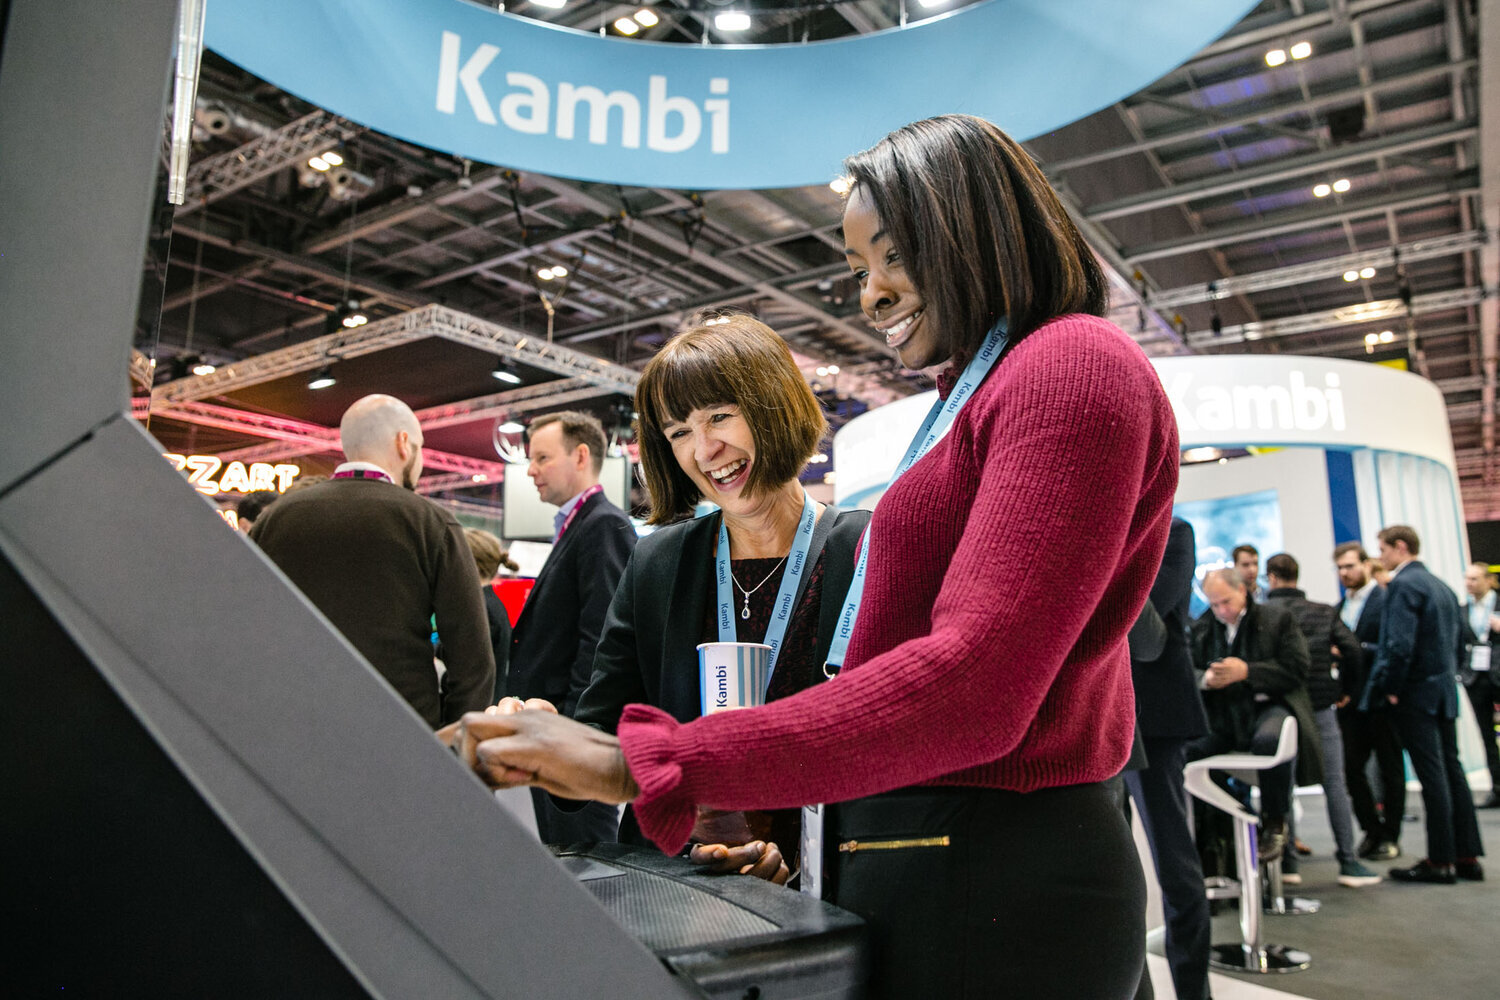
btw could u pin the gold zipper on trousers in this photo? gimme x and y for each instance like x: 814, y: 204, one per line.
x: 850, y: 846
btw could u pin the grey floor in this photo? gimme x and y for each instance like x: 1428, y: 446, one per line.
x: 1386, y: 942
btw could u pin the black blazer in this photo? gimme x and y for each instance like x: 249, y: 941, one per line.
x: 1367, y: 627
x: 552, y: 645
x: 1166, y: 690
x: 1420, y: 637
x: 1492, y: 639
x: 649, y: 651
x: 1268, y: 641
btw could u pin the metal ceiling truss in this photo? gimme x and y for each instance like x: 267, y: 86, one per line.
x: 1387, y: 311
x: 213, y: 177
x: 1318, y: 270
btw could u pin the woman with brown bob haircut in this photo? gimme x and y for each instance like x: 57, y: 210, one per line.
x: 714, y: 397
x: 737, y: 360
x: 971, y: 748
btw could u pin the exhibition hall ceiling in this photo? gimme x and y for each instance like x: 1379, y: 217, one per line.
x: 1330, y: 204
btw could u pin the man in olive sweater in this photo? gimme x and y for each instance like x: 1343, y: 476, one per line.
x: 382, y: 563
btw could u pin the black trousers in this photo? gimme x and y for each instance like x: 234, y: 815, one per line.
x: 589, y: 823
x: 1162, y: 803
x: 1366, y: 733
x: 1452, y: 828
x: 1482, y: 691
x: 1275, y: 782
x: 1035, y: 895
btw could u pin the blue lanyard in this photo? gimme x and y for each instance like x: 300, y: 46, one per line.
x: 939, y: 419
x: 781, y: 614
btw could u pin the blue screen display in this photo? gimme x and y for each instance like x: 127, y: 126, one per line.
x: 1221, y: 523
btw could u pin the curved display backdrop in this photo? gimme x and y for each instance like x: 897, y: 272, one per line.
x: 520, y: 93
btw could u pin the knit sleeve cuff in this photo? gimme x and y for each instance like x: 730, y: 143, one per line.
x: 664, y: 809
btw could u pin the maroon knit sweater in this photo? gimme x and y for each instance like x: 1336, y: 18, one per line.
x: 1006, y: 568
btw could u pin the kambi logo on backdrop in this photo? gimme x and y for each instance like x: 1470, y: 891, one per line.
x: 673, y: 123
x: 1293, y: 406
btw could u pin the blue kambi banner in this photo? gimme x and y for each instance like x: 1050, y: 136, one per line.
x: 513, y: 91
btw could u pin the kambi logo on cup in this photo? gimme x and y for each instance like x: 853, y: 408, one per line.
x: 732, y: 675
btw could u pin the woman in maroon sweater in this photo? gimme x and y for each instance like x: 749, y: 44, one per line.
x: 973, y: 741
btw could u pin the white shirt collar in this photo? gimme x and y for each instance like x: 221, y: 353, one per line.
x: 364, y: 467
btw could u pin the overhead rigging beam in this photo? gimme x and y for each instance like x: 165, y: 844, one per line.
x: 212, y: 178
x: 1460, y: 184
x: 1222, y: 121
x: 1384, y: 310
x: 1284, y: 169
x: 1489, y: 210
x: 418, y: 324
x: 1317, y: 270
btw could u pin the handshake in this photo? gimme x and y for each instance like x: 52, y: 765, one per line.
x: 519, y: 742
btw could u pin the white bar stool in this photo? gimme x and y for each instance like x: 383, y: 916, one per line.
x: 1251, y: 953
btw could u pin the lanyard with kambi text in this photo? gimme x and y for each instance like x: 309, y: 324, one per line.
x: 781, y: 612
x: 583, y: 498
x: 939, y: 419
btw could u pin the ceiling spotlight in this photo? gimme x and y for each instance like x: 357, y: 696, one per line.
x: 1341, y: 185
x: 353, y: 316
x: 822, y: 370
x: 1386, y: 336
x: 1322, y: 191
x: 732, y: 20
x: 332, y: 159
x: 1367, y: 273
x: 546, y: 274
x: 1302, y: 50
x: 318, y: 163
x: 1275, y: 57
x: 841, y: 185
x: 626, y: 26
x: 323, y: 379
x: 480, y: 477
x: 1372, y: 338
x: 510, y: 427
x: 1351, y: 275
x: 505, y: 372
x: 646, y: 18
x: 558, y: 271
x: 833, y: 369
x: 929, y: 4
x: 204, y: 368
x: 550, y: 4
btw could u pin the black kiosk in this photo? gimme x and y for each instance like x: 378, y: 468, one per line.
x: 207, y: 792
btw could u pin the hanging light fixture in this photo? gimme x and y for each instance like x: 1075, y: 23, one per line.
x: 323, y: 379
x: 505, y: 372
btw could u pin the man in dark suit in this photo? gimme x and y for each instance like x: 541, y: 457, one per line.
x: 1373, y: 731
x: 1414, y: 672
x: 1253, y: 662
x: 1170, y: 713
x: 1477, y: 669
x: 552, y: 646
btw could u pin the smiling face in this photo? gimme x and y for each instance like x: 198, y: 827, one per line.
x: 714, y: 446
x: 886, y: 292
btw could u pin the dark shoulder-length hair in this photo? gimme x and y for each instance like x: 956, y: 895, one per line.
x: 979, y: 230
x: 735, y: 359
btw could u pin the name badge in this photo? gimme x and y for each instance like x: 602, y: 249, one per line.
x: 1479, y: 659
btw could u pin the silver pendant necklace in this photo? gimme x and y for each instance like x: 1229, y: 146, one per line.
x: 745, y: 611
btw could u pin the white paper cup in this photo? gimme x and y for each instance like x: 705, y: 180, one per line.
x: 732, y: 675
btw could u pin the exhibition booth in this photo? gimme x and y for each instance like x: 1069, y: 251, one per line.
x: 260, y: 843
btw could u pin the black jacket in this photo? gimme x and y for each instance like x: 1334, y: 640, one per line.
x: 1491, y: 639
x: 1270, y: 642
x: 649, y: 651
x: 1166, y: 691
x: 1420, y: 638
x: 552, y: 646
x: 1323, y: 630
